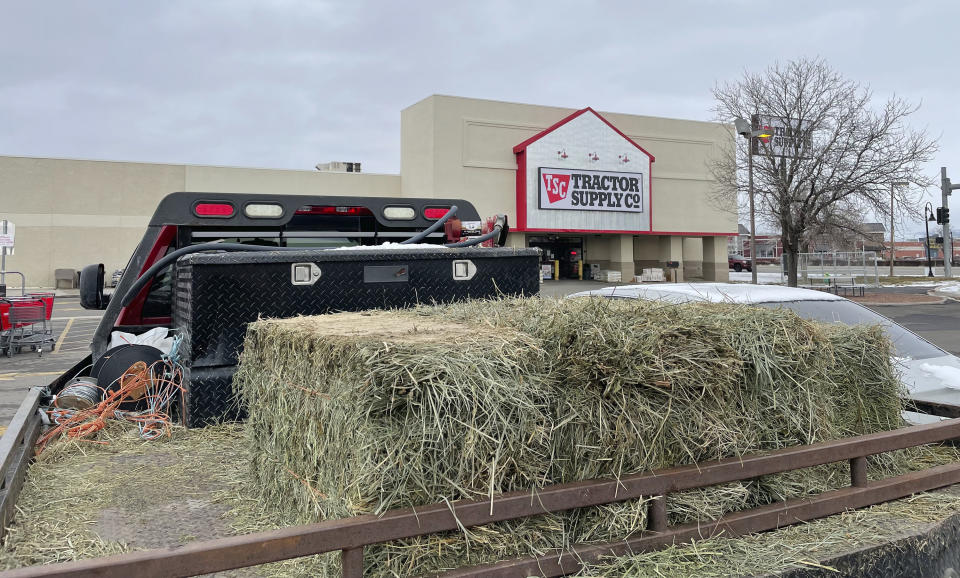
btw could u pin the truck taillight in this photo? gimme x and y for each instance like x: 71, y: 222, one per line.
x: 434, y: 213
x: 213, y: 210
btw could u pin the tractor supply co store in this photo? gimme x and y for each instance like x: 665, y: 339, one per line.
x: 619, y: 192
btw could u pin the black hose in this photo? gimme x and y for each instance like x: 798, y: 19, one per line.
x: 423, y: 234
x: 150, y: 273
x: 476, y: 240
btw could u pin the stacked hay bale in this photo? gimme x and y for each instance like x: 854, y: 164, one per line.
x: 359, y: 413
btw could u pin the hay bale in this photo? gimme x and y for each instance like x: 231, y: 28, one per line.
x: 360, y: 413
x: 365, y: 412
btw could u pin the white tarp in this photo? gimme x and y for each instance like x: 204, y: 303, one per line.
x: 156, y: 337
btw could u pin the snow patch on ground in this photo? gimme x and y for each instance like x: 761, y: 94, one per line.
x: 762, y: 278
x: 949, y: 287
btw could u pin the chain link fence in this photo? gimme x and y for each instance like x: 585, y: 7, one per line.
x: 855, y: 268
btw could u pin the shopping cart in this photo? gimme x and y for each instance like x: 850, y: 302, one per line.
x: 25, y: 322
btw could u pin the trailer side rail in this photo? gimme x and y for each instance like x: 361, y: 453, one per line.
x: 351, y: 535
x: 16, y: 449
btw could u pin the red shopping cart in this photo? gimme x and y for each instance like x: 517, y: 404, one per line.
x: 25, y: 322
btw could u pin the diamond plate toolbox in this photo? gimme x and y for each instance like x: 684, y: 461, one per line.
x: 217, y: 294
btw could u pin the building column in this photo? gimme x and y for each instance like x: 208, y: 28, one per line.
x: 692, y: 258
x: 715, y: 264
x: 671, y: 249
x: 646, y: 249
x: 621, y: 256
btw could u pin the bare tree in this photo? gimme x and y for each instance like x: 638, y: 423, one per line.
x: 831, y: 156
x: 839, y: 227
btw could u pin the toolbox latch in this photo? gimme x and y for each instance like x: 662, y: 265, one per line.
x: 464, y: 270
x: 304, y: 273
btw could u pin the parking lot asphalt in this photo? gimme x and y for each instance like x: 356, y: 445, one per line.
x: 939, y: 324
x: 73, y: 328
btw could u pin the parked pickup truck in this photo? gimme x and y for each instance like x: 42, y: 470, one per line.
x: 278, y: 256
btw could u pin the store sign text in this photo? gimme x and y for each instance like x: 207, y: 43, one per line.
x: 585, y: 190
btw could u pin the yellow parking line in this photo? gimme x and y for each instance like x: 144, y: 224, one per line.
x: 73, y: 309
x: 63, y: 335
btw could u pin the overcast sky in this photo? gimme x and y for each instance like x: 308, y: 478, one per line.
x: 287, y: 84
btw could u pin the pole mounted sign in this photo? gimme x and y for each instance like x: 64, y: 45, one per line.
x: 6, y: 248
x: 591, y: 190
x: 6, y: 234
x: 933, y: 242
x: 783, y: 137
x: 6, y: 237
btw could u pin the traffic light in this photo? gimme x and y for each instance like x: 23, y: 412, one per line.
x: 943, y: 215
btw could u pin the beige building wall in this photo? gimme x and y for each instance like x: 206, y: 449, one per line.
x: 463, y: 147
x: 71, y: 213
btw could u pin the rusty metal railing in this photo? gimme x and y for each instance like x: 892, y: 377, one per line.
x: 16, y: 449
x: 351, y: 535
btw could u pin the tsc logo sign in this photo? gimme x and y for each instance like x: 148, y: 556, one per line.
x: 590, y: 190
x: 556, y: 186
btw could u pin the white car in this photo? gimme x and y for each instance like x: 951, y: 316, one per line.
x: 930, y: 374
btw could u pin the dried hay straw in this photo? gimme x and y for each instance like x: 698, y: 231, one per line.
x: 208, y: 465
x: 83, y: 500
x: 363, y: 412
x: 902, y: 526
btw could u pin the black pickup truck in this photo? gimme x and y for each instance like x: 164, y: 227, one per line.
x: 209, y: 263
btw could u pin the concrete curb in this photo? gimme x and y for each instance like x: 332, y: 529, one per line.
x: 876, y: 304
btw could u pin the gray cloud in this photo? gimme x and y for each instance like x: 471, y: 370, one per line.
x: 289, y: 83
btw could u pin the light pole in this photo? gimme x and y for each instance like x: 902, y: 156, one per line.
x: 927, y: 217
x: 893, y: 247
x: 745, y: 129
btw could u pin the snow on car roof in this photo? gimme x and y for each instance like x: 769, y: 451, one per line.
x: 713, y: 292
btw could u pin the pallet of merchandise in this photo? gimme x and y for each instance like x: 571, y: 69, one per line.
x: 654, y: 275
x: 608, y: 276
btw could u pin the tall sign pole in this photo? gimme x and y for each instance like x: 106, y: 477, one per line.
x: 946, y: 189
x: 753, y: 223
x: 893, y: 246
x: 750, y: 131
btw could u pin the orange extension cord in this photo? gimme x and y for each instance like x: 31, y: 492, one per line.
x: 158, y: 384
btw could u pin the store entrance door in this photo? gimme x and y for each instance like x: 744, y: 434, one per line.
x: 563, y: 253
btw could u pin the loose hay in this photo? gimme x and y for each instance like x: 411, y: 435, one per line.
x: 361, y: 413
x: 804, y: 546
x: 208, y: 464
x: 83, y: 500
